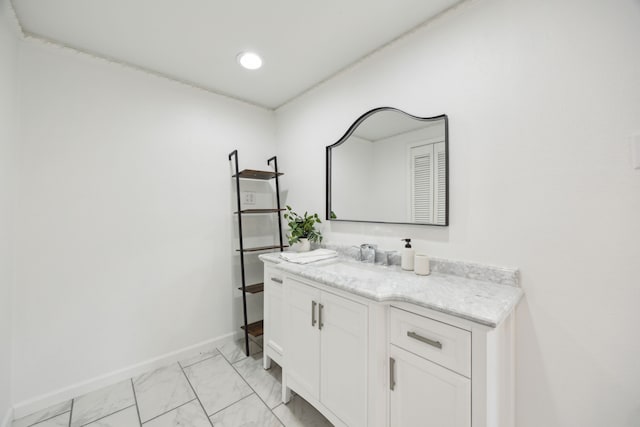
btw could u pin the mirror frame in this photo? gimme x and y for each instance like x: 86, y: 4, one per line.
x: 350, y: 131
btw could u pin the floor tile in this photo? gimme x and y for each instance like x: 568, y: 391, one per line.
x: 188, y: 415
x: 234, y: 351
x: 250, y: 411
x: 100, y: 403
x: 59, y: 421
x: 267, y: 384
x: 42, y: 415
x: 161, y: 390
x: 217, y: 384
x: 298, y: 413
x: 125, y: 418
x: 205, y: 353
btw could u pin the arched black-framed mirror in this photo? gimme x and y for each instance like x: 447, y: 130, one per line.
x: 390, y: 167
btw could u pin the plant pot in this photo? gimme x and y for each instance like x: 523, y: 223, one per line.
x: 302, y: 245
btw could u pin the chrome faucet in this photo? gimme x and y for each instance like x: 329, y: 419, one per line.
x: 389, y: 256
x: 368, y: 253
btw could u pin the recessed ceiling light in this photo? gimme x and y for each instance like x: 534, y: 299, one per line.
x: 250, y: 60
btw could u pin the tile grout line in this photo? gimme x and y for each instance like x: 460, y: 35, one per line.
x: 135, y: 399
x: 277, y: 417
x: 195, y: 393
x: 170, y: 410
x: 242, y: 352
x: 255, y: 392
x: 225, y: 357
x: 73, y: 401
x: 231, y: 404
x: 108, y: 415
x: 199, y: 361
x: 265, y: 403
x: 41, y: 421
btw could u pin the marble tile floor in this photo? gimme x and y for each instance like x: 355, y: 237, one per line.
x: 219, y: 387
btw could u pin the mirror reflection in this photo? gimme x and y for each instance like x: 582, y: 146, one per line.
x: 390, y: 167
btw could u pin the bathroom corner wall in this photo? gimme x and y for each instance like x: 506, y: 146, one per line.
x: 542, y: 99
x: 126, y: 249
x: 9, y: 39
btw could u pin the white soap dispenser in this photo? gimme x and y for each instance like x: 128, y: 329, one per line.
x: 407, y: 255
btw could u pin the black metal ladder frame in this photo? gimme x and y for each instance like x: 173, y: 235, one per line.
x: 234, y: 155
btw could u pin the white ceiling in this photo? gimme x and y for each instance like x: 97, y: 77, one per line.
x: 302, y: 42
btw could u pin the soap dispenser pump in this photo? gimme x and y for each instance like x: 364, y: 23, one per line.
x: 407, y: 255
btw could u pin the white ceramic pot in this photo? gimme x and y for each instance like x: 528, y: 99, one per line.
x: 302, y: 245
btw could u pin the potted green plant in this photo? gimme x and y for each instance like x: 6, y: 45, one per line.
x: 302, y: 229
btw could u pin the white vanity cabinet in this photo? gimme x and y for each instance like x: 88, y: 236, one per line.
x: 363, y: 362
x: 429, y: 372
x: 326, y: 360
x: 445, y: 371
x: 273, y: 300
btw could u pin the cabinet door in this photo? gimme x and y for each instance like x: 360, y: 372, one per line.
x: 302, y: 337
x: 426, y: 394
x: 343, y: 360
x: 273, y: 338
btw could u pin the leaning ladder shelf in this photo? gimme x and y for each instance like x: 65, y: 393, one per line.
x: 254, y: 329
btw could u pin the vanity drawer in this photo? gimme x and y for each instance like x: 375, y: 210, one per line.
x: 273, y: 277
x: 443, y: 344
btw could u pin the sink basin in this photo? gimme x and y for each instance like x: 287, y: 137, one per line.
x: 356, y: 270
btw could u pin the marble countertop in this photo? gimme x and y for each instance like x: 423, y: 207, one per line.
x: 476, y: 300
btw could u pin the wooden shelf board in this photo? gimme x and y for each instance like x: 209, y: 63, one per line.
x: 262, y: 248
x: 254, y: 289
x: 256, y: 174
x: 260, y: 211
x: 255, y: 329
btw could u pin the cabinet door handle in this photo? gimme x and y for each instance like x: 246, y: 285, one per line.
x: 320, y: 324
x: 313, y: 313
x: 392, y: 374
x: 275, y: 279
x: 436, y: 344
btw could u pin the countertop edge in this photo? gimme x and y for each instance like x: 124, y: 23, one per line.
x: 492, y: 323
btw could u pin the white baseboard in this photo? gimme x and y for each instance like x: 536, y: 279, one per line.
x: 38, y: 403
x: 8, y: 418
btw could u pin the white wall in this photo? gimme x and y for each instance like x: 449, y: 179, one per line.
x: 542, y: 99
x: 8, y: 81
x: 351, y: 186
x: 125, y: 216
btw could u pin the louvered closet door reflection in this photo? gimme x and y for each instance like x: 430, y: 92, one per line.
x: 422, y: 183
x: 440, y: 184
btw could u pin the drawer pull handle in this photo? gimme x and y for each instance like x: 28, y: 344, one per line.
x: 313, y: 313
x: 436, y: 344
x: 392, y: 375
x: 320, y: 324
x: 275, y: 279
